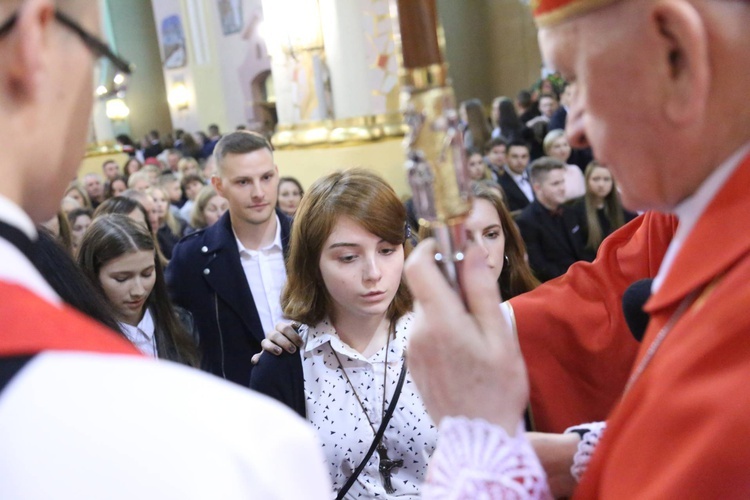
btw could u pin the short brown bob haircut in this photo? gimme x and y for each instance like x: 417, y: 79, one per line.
x: 367, y: 199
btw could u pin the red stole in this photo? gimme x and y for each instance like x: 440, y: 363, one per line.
x: 29, y: 324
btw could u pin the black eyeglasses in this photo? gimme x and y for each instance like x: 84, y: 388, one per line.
x: 98, y: 47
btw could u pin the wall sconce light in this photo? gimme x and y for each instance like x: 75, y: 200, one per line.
x: 114, y: 86
x: 179, y: 96
x: 117, y: 110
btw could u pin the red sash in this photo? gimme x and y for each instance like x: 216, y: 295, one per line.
x: 29, y: 325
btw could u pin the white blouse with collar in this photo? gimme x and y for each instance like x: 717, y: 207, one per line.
x: 142, y: 336
x: 340, y: 421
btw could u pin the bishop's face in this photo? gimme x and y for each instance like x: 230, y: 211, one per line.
x: 609, y: 106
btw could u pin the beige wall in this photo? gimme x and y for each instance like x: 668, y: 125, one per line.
x: 491, y: 47
x: 516, y: 61
x: 93, y: 163
x: 385, y: 157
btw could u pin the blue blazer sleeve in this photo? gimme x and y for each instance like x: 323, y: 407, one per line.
x: 281, y: 377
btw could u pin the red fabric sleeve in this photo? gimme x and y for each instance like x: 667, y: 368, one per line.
x: 577, y: 346
x: 682, y: 430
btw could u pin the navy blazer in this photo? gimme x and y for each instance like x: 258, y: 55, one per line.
x: 552, y: 245
x: 205, y: 277
x: 281, y: 377
x: 515, y: 199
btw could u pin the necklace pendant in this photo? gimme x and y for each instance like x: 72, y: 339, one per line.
x: 386, y: 467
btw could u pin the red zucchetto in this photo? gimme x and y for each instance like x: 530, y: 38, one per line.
x: 550, y: 12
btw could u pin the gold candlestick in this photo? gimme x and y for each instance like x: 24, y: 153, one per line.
x: 436, y: 165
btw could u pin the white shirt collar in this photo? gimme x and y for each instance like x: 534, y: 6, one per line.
x: 145, y: 326
x: 12, y: 214
x: 324, y: 332
x: 142, y: 336
x: 692, y: 208
x: 516, y: 177
x: 275, y: 244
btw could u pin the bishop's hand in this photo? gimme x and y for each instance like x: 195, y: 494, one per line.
x: 464, y: 358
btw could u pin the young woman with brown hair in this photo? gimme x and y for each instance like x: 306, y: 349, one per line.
x: 345, y: 291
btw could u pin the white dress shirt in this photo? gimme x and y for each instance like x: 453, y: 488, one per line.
x: 143, y: 336
x: 187, y: 210
x: 266, y: 274
x: 342, y: 425
x: 522, y: 180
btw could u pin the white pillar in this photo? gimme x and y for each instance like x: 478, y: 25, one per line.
x: 361, y: 55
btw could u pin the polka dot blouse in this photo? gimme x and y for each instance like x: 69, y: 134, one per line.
x: 334, y: 411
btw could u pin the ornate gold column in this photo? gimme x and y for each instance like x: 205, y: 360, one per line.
x: 436, y: 166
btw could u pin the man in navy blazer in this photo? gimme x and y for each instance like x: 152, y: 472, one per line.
x: 551, y: 230
x: 515, y: 182
x: 230, y: 275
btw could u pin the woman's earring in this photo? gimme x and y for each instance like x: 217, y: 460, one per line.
x: 507, y: 261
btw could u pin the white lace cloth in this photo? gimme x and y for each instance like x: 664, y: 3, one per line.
x: 477, y: 460
x: 586, y: 447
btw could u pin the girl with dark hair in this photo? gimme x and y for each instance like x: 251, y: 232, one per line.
x: 290, y: 194
x: 79, y: 220
x: 477, y: 132
x: 509, y: 126
x: 601, y: 207
x: 117, y: 186
x: 491, y: 226
x: 130, y: 206
x: 124, y: 206
x: 120, y: 258
x: 477, y: 168
x: 131, y: 166
x: 346, y: 293
x: 67, y: 279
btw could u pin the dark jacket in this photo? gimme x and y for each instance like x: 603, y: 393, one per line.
x: 553, y: 243
x: 205, y: 277
x: 282, y: 378
x: 153, y: 150
x: 166, y: 349
x: 514, y: 197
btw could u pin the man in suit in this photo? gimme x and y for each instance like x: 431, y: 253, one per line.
x: 551, y: 231
x: 79, y: 406
x: 213, y: 139
x: 515, y: 182
x: 230, y: 276
x: 548, y: 105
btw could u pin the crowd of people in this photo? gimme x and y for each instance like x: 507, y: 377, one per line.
x: 564, y: 202
x: 216, y: 263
